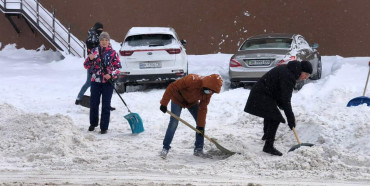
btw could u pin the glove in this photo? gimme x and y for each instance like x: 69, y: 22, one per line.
x: 291, y: 125
x: 163, y: 108
x: 201, y: 129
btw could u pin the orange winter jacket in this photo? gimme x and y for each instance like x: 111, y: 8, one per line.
x: 188, y: 91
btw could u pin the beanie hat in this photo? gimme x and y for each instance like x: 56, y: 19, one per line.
x: 98, y: 25
x: 104, y: 35
x: 306, y: 67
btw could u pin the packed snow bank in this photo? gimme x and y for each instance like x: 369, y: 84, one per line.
x: 43, y: 133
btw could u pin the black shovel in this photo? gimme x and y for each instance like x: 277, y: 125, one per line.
x: 221, y: 148
x: 299, y: 142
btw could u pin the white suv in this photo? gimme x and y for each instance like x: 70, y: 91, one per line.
x: 151, y: 55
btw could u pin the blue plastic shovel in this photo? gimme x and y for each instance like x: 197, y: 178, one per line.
x: 362, y: 99
x: 135, y: 121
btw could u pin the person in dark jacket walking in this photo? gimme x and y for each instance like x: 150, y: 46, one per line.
x: 273, y: 91
x: 105, y: 65
x: 193, y: 92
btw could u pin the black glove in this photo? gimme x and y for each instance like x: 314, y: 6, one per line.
x: 201, y: 129
x: 291, y: 125
x: 291, y: 122
x: 163, y: 108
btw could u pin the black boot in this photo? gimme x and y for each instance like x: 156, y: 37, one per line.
x: 269, y: 148
x: 92, y: 127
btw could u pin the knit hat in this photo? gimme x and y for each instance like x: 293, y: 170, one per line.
x: 306, y: 67
x: 104, y: 35
x: 98, y: 25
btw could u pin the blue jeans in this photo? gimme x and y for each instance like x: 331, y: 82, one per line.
x: 85, y: 86
x: 104, y: 90
x: 172, y: 126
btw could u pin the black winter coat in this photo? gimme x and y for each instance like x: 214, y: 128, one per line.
x: 92, y: 40
x: 274, y: 90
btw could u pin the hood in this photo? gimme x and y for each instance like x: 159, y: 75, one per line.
x: 295, y: 68
x: 213, y: 82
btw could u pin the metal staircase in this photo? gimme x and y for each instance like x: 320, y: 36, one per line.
x: 46, y: 23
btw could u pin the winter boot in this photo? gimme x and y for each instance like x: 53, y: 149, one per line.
x: 200, y: 153
x: 92, y: 127
x: 103, y: 131
x: 269, y: 148
x: 164, y: 153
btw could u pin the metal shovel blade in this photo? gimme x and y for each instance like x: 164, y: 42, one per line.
x: 221, y: 148
x: 300, y: 145
x: 136, y: 123
x: 358, y: 101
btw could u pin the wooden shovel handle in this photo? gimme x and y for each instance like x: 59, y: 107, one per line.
x: 296, y: 136
x: 186, y: 123
x: 367, y: 80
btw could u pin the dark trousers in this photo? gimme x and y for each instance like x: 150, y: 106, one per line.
x: 269, y: 128
x: 104, y: 90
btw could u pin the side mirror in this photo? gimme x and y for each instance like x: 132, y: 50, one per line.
x: 121, y: 43
x: 315, y: 45
x: 183, y: 42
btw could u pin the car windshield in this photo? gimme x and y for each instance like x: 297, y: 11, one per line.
x: 267, y: 43
x: 149, y: 40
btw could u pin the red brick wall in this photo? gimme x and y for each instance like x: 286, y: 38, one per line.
x: 341, y: 27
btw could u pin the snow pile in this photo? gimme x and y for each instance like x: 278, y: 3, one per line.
x: 38, y: 138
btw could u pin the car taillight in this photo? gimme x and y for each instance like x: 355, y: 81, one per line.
x: 174, y: 51
x: 178, y: 72
x: 234, y: 63
x: 292, y: 58
x: 126, y: 52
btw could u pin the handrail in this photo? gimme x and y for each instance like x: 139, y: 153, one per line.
x: 40, y: 18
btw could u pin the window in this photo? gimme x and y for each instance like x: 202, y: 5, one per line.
x: 266, y: 43
x: 150, y: 40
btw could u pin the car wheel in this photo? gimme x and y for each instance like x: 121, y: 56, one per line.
x: 121, y: 87
x: 318, y: 72
x: 298, y: 85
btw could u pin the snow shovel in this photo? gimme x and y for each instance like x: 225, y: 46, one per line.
x: 223, y: 149
x: 362, y: 99
x: 299, y: 142
x: 135, y: 121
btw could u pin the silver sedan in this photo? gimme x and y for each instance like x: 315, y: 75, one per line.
x: 260, y: 53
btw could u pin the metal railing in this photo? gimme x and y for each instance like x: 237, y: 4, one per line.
x: 47, y: 24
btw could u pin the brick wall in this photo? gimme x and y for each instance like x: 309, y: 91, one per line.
x: 341, y: 27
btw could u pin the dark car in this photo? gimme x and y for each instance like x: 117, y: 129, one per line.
x: 260, y: 53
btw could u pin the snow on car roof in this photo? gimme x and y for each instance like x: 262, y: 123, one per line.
x: 151, y: 30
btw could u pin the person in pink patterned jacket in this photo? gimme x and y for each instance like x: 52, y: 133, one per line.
x: 104, y: 64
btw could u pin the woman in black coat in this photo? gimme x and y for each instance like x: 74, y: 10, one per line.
x: 273, y: 91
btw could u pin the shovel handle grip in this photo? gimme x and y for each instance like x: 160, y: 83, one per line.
x: 296, y: 136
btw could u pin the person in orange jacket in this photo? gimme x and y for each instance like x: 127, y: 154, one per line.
x: 193, y: 92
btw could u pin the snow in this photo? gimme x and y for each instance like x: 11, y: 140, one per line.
x: 44, y: 137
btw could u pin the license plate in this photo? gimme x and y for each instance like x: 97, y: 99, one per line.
x: 259, y: 62
x: 151, y: 65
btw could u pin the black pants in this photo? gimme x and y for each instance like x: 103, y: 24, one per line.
x: 104, y: 90
x: 269, y: 128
